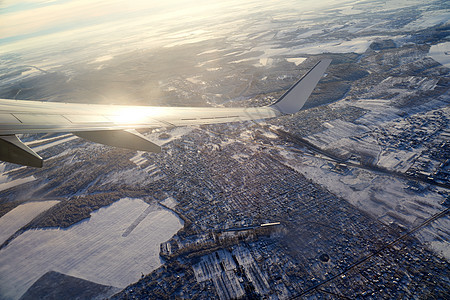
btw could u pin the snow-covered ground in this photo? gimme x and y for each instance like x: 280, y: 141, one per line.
x: 95, y: 249
x: 9, y: 184
x: 296, y: 60
x: 441, y: 53
x: 21, y: 216
x: 429, y: 19
x: 138, y: 159
x: 6, y: 182
x: 174, y: 133
x: 170, y: 202
x: 52, y: 142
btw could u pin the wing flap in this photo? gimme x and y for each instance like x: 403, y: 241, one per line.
x: 13, y: 150
x: 128, y: 139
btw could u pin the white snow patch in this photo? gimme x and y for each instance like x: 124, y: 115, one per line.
x: 357, y: 45
x: 138, y: 159
x: 6, y: 183
x: 441, y: 53
x: 175, y: 133
x: 170, y: 202
x: 195, y: 80
x: 296, y: 60
x: 265, y: 61
x: 209, y: 51
x: 429, y: 19
x: 240, y: 157
x: 95, y: 249
x: 102, y: 58
x: 349, y: 10
x: 399, y: 160
x: 309, y: 33
x: 270, y: 135
x: 16, y: 182
x: 21, y: 216
x: 55, y: 143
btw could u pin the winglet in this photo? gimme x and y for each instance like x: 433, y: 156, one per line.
x: 294, y: 99
x: 13, y: 150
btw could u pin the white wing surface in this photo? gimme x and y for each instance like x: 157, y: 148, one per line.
x: 113, y: 124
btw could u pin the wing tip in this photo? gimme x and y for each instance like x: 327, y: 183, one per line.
x: 294, y: 99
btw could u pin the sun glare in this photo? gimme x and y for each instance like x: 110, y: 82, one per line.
x: 137, y: 115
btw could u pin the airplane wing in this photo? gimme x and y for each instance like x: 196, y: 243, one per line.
x: 114, y: 124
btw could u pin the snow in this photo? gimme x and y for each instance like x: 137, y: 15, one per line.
x: 441, y: 53
x: 16, y: 182
x: 220, y: 267
x: 309, y: 33
x: 54, y: 143
x: 399, y: 160
x: 384, y: 197
x: 357, y: 45
x: 195, y: 80
x: 95, y: 249
x: 6, y: 183
x: 429, y: 19
x: 175, y: 133
x: 138, y: 159
x: 349, y: 10
x: 21, y: 216
x: 296, y: 60
x: 51, y: 139
x: 103, y: 58
x: 170, y: 202
x: 209, y: 51
x: 337, y: 130
x: 240, y: 157
x: 270, y: 135
x: 264, y: 61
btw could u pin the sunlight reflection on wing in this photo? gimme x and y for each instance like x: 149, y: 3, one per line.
x: 138, y: 114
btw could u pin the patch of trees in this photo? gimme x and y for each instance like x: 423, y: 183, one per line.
x: 67, y: 213
x: 7, y: 207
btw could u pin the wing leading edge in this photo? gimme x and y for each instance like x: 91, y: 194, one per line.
x: 114, y: 124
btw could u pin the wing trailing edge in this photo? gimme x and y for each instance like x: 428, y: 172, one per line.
x: 128, y: 139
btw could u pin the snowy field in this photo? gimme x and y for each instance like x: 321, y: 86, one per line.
x: 6, y: 183
x: 51, y: 142
x: 9, y: 184
x: 21, y: 216
x: 114, y: 247
x: 441, y: 53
